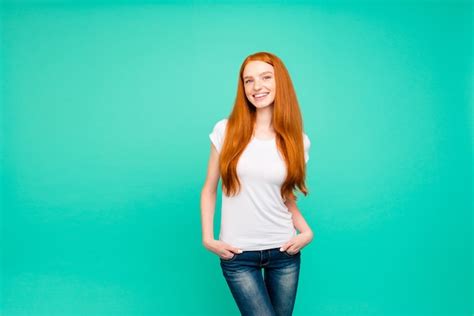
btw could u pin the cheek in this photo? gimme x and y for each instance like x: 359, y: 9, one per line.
x: 273, y: 87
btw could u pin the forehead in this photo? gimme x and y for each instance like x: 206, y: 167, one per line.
x: 256, y: 67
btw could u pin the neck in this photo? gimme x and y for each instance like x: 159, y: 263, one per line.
x: 264, y: 118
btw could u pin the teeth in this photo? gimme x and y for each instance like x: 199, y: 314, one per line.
x: 260, y: 95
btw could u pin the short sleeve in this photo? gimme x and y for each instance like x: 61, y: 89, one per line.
x: 217, y: 134
x: 307, y: 145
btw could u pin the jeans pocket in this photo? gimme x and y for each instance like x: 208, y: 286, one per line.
x: 291, y: 255
x: 231, y: 259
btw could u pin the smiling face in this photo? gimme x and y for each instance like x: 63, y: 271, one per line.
x: 259, y: 83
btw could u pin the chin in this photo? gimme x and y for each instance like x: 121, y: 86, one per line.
x: 260, y: 106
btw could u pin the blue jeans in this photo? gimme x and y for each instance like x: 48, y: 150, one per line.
x: 274, y: 293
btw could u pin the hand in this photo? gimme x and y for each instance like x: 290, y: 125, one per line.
x: 220, y: 248
x: 297, y: 243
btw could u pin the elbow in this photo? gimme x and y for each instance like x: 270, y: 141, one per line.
x: 208, y: 191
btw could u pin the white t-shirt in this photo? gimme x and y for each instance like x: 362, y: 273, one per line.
x: 257, y: 217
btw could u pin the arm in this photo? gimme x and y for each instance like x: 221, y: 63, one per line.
x: 306, y: 234
x: 208, y: 205
x: 298, y: 220
x: 208, y: 197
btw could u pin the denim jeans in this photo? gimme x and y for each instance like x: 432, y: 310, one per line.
x: 272, y: 294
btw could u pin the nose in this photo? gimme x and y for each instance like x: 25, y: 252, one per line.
x: 257, y: 85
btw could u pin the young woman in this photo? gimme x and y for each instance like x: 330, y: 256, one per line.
x: 260, y: 152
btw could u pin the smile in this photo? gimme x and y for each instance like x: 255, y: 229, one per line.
x: 260, y: 96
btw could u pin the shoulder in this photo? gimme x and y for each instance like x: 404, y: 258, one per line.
x: 306, y: 141
x: 218, y: 132
x: 306, y: 145
x: 219, y: 126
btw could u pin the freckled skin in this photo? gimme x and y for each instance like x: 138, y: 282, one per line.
x: 258, y: 78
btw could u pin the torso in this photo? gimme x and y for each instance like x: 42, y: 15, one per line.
x: 264, y: 135
x: 257, y: 218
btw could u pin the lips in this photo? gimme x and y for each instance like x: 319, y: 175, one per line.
x: 260, y: 96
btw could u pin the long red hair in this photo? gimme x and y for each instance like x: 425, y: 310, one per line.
x: 287, y: 123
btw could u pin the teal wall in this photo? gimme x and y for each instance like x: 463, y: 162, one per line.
x: 105, y: 114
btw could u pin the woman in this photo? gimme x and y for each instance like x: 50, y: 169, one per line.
x: 260, y: 152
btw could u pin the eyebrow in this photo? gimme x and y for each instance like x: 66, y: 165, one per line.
x: 260, y: 74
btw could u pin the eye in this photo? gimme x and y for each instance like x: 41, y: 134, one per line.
x: 246, y: 81
x: 267, y: 77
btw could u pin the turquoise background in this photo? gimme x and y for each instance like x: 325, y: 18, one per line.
x: 106, y: 109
